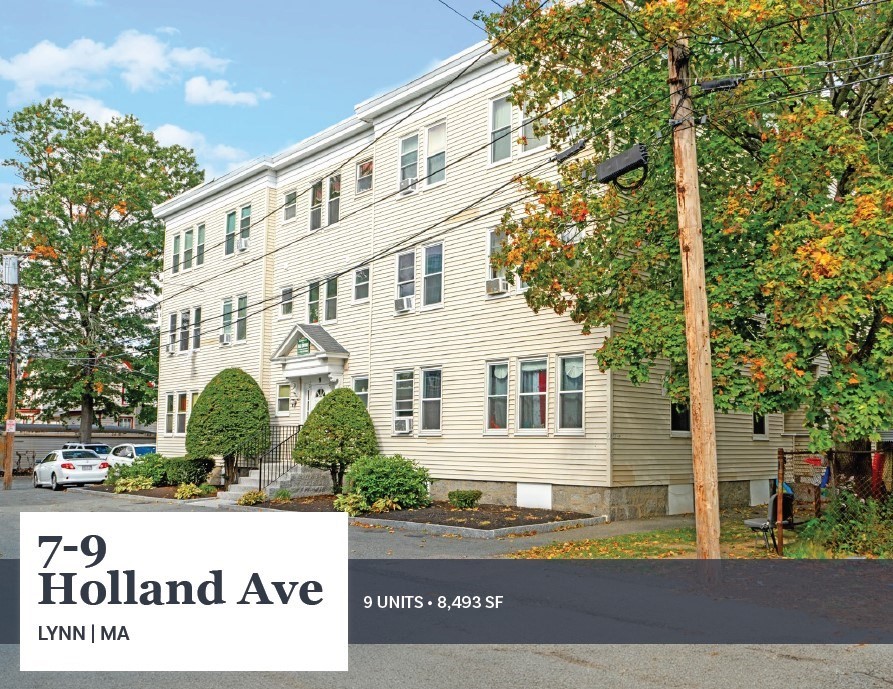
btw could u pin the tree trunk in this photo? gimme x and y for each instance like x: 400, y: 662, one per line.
x: 86, y: 432
x: 336, y: 486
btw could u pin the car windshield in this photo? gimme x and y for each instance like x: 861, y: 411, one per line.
x: 79, y: 454
x: 144, y: 450
x: 100, y: 449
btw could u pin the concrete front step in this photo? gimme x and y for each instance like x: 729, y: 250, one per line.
x: 299, y: 480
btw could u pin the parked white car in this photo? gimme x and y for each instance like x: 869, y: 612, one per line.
x: 101, y: 449
x: 126, y: 453
x: 70, y: 467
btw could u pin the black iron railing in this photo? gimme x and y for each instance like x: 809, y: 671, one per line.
x: 269, y: 452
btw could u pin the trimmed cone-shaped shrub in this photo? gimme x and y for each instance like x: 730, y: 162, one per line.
x: 337, y: 432
x: 230, y: 410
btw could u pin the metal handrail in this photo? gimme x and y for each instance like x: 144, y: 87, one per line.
x: 278, y: 460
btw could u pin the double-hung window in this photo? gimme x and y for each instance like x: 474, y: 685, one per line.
x: 403, y: 385
x: 409, y: 161
x: 433, y: 274
x: 436, y: 154
x: 364, y: 176
x: 331, y: 299
x: 431, y: 399
x: 497, y: 239
x: 361, y: 284
x: 406, y: 274
x: 228, y: 317
x: 316, y: 206
x: 175, y: 263
x: 188, y: 238
x: 169, y: 414
x: 529, y: 139
x: 532, y: 395
x: 283, y: 399
x: 500, y: 130
x: 334, y: 199
x: 245, y: 223
x: 497, y: 396
x: 290, y: 207
x: 182, y: 406
x: 570, y: 393
x: 172, y: 331
x: 361, y: 387
x: 313, y: 302
x: 242, y: 319
x: 286, y: 303
x: 230, y: 245
x: 184, y: 330
x: 200, y: 245
x: 197, y: 327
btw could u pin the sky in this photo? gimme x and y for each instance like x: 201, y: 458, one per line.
x: 232, y: 80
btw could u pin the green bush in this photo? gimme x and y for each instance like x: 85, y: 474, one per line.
x: 185, y: 491
x: 282, y: 495
x: 231, y: 409
x: 384, y: 505
x: 252, y: 497
x: 207, y: 489
x: 464, y: 498
x: 851, y: 526
x: 392, y: 477
x: 151, y: 466
x: 129, y: 485
x: 352, y: 503
x: 338, y: 432
x: 179, y: 470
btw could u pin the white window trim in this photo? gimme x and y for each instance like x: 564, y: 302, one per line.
x: 518, y: 394
x: 191, y: 267
x: 437, y: 305
x: 428, y: 183
x: 328, y: 200
x: 431, y: 431
x: 353, y: 386
x: 235, y: 212
x: 236, y: 339
x: 353, y: 291
x: 761, y: 437
x: 285, y: 206
x: 188, y: 312
x: 287, y: 412
x: 177, y: 394
x: 196, y: 324
x: 417, y: 161
x: 286, y: 316
x: 320, y: 302
x: 239, y: 225
x: 500, y: 432
x: 524, y: 152
x: 394, y: 416
x: 322, y: 206
x: 357, y: 177
x: 487, y: 275
x: 324, y: 298
x: 177, y: 252
x: 172, y: 414
x: 490, y: 123
x: 232, y: 321
x: 195, y: 262
x: 558, y: 429
x: 415, y: 281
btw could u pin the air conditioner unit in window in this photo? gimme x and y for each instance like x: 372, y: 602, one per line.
x: 403, y: 426
x: 403, y: 304
x: 226, y: 338
x: 497, y: 286
x: 242, y: 244
x: 407, y: 186
x: 172, y: 348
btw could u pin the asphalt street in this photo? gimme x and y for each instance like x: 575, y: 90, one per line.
x: 471, y: 666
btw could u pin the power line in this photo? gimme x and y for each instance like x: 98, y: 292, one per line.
x: 455, y: 11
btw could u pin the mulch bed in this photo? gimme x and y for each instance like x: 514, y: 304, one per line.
x: 481, y: 517
x: 158, y: 492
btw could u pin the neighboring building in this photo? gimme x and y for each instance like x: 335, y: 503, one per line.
x: 306, y: 284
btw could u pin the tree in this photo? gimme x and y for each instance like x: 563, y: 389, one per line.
x: 230, y: 410
x: 337, y: 432
x: 84, y: 212
x: 797, y: 195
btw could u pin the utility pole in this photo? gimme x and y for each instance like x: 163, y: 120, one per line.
x: 11, y: 277
x: 697, y: 326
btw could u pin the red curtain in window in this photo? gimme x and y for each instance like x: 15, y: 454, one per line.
x: 542, y: 388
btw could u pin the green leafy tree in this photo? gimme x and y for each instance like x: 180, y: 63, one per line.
x: 796, y: 191
x: 337, y: 432
x: 231, y: 410
x: 83, y: 209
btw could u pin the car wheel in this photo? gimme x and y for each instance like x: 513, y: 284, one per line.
x: 34, y: 481
x: 54, y: 483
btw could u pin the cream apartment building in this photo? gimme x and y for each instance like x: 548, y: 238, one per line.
x: 360, y: 258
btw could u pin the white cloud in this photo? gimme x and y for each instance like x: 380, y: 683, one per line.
x: 216, y: 159
x: 168, y: 30
x: 142, y: 60
x: 200, y: 91
x: 92, y: 108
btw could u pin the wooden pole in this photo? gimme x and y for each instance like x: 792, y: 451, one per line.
x: 779, y: 504
x: 9, y: 443
x: 697, y: 326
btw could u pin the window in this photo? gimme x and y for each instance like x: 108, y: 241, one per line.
x: 230, y: 245
x: 334, y: 198
x: 187, y: 249
x: 530, y: 141
x: 200, y: 245
x: 287, y: 301
x: 364, y: 176
x: 172, y: 331
x: 436, y: 157
x: 431, y: 399
x: 290, y: 207
x: 759, y: 426
x: 184, y: 330
x: 409, y: 160
x: 316, y: 206
x: 497, y: 396
x: 228, y: 317
x: 361, y: 284
x: 126, y: 422
x: 680, y: 419
x: 313, y: 303
x: 283, y: 399
x: 361, y: 387
x: 175, y: 264
x: 500, y: 130
x: 433, y: 274
x: 570, y: 393
x: 245, y: 223
x: 197, y: 327
x: 496, y: 240
x: 169, y: 415
x: 194, y: 399
x: 403, y: 394
x: 242, y: 319
x: 406, y: 274
x: 182, y: 401
x: 331, y: 299
x: 532, y: 395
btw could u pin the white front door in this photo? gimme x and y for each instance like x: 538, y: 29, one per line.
x: 314, y: 394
